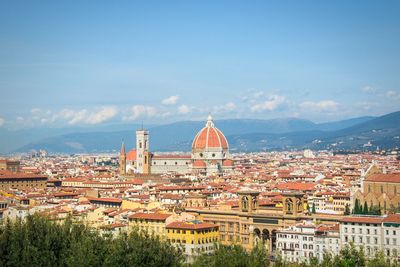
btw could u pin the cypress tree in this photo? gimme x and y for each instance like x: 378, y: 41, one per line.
x: 313, y: 208
x: 365, y: 211
x: 356, y: 209
x: 347, y: 210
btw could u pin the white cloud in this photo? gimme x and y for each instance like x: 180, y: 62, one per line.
x: 2, y: 121
x: 324, y: 105
x: 170, y: 100
x: 230, y: 106
x: 102, y: 115
x: 36, y: 110
x: 138, y: 111
x: 272, y: 103
x: 183, y: 109
x: 368, y: 89
x: 74, y: 117
x: 393, y: 94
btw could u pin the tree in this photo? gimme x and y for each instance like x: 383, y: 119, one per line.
x: 313, y: 208
x: 361, y: 209
x: 379, y: 260
x: 347, y: 209
x: 37, y: 241
x: 235, y: 256
x: 356, y: 209
x: 350, y: 256
x: 365, y: 211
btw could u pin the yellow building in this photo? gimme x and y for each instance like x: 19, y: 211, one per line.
x: 9, y: 165
x: 250, y: 224
x: 152, y: 223
x: 193, y: 237
x: 13, y: 180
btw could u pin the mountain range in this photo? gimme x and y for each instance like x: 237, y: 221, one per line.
x: 244, y: 135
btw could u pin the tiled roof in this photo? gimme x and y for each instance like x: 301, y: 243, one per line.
x: 103, y: 199
x: 362, y: 219
x: 150, y: 216
x: 392, y: 218
x: 191, y: 226
x: 387, y: 178
x: 17, y: 175
x: 131, y: 156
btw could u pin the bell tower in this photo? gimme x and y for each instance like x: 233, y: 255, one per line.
x: 293, y: 203
x: 122, y: 160
x: 248, y: 201
x: 142, y: 150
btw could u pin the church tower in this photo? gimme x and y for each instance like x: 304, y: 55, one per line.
x: 142, y: 150
x: 122, y: 160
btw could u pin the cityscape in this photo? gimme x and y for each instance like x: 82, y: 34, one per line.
x: 182, y: 134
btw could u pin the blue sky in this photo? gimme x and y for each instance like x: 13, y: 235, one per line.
x: 65, y: 63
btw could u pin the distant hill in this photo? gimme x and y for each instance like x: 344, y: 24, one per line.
x: 337, y: 125
x: 242, y: 134
x: 383, y: 132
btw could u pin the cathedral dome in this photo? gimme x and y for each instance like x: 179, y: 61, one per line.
x: 209, y: 137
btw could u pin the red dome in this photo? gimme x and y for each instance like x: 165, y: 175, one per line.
x: 210, y: 136
x: 199, y: 164
x: 227, y: 163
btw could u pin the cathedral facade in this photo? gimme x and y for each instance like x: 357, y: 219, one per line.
x: 210, y: 155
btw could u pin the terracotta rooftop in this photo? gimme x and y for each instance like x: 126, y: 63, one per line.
x: 191, y: 225
x: 392, y: 218
x: 104, y: 199
x: 386, y: 178
x: 150, y: 216
x: 363, y: 219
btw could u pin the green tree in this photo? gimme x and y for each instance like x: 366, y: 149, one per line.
x: 379, y: 260
x: 259, y: 256
x: 313, y: 208
x: 365, y: 210
x: 37, y: 241
x: 350, y: 256
x: 347, y: 209
x: 356, y: 209
x: 360, y: 209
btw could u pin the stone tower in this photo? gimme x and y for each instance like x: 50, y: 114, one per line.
x: 142, y: 150
x: 248, y: 201
x: 122, y: 160
x: 293, y: 203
